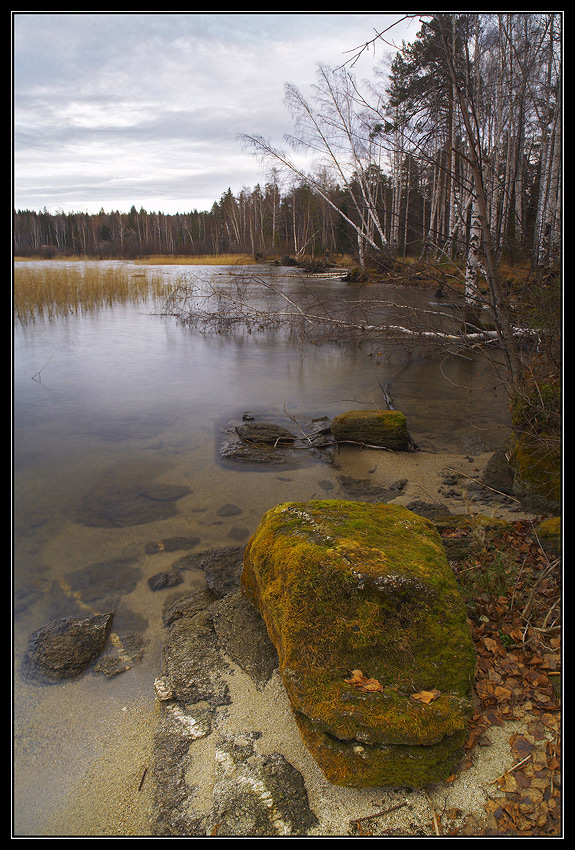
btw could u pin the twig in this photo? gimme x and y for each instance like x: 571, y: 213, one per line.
x: 38, y: 374
x: 435, y: 822
x: 142, y: 779
x: 511, y: 769
x: 478, y: 481
x: 377, y: 814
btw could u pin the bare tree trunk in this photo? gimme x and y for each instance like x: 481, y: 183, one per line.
x: 498, y: 302
x: 472, y: 303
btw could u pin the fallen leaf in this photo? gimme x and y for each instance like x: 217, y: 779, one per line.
x: 426, y: 696
x: 358, y: 680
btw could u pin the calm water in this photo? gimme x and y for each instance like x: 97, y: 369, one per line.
x: 125, y: 398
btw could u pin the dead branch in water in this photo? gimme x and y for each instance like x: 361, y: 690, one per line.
x: 255, y: 304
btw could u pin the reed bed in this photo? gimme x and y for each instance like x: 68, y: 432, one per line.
x: 47, y: 291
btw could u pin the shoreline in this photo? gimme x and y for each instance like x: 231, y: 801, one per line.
x: 116, y: 795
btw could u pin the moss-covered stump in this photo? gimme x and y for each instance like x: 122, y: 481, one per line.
x: 385, y: 428
x: 372, y: 637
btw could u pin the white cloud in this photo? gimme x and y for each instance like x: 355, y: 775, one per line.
x: 111, y: 109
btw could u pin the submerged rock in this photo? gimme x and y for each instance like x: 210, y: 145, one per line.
x: 385, y: 428
x: 168, y: 578
x: 256, y: 442
x: 119, y: 507
x: 366, y: 616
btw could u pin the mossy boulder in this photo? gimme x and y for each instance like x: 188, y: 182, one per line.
x: 549, y: 533
x: 383, y: 428
x: 535, y: 455
x: 536, y: 464
x: 349, y: 586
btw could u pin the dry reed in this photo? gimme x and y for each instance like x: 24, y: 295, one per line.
x: 198, y: 260
x: 59, y: 290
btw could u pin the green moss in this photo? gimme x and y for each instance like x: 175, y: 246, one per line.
x: 356, y: 764
x: 345, y: 585
x: 549, y: 534
x: 387, y: 428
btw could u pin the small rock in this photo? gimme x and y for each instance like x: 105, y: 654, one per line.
x: 170, y: 578
x: 65, y: 648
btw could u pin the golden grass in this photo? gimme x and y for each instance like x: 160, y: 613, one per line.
x: 47, y: 290
x: 197, y: 260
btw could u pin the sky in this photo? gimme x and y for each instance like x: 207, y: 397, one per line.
x: 116, y: 109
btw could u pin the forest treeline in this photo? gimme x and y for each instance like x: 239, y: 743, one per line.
x: 457, y: 149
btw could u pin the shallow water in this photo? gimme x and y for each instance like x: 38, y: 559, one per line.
x: 124, y: 398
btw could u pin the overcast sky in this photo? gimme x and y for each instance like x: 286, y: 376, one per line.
x: 114, y: 109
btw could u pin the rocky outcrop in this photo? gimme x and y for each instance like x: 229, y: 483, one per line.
x: 374, y: 649
x: 249, y: 793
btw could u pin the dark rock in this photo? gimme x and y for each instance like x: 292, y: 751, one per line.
x: 187, y: 605
x: 255, y: 442
x: 172, y: 810
x: 498, y: 473
x: 160, y: 581
x: 223, y: 569
x: 257, y: 795
x: 364, y: 490
x: 243, y: 792
x: 65, y: 648
x: 428, y: 509
x: 243, y: 636
x: 192, y: 667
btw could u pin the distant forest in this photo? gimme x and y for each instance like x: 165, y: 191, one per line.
x: 457, y: 153
x: 256, y: 222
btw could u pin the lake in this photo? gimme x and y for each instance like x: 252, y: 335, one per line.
x: 124, y: 398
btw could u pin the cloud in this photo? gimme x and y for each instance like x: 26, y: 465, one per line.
x: 111, y: 108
